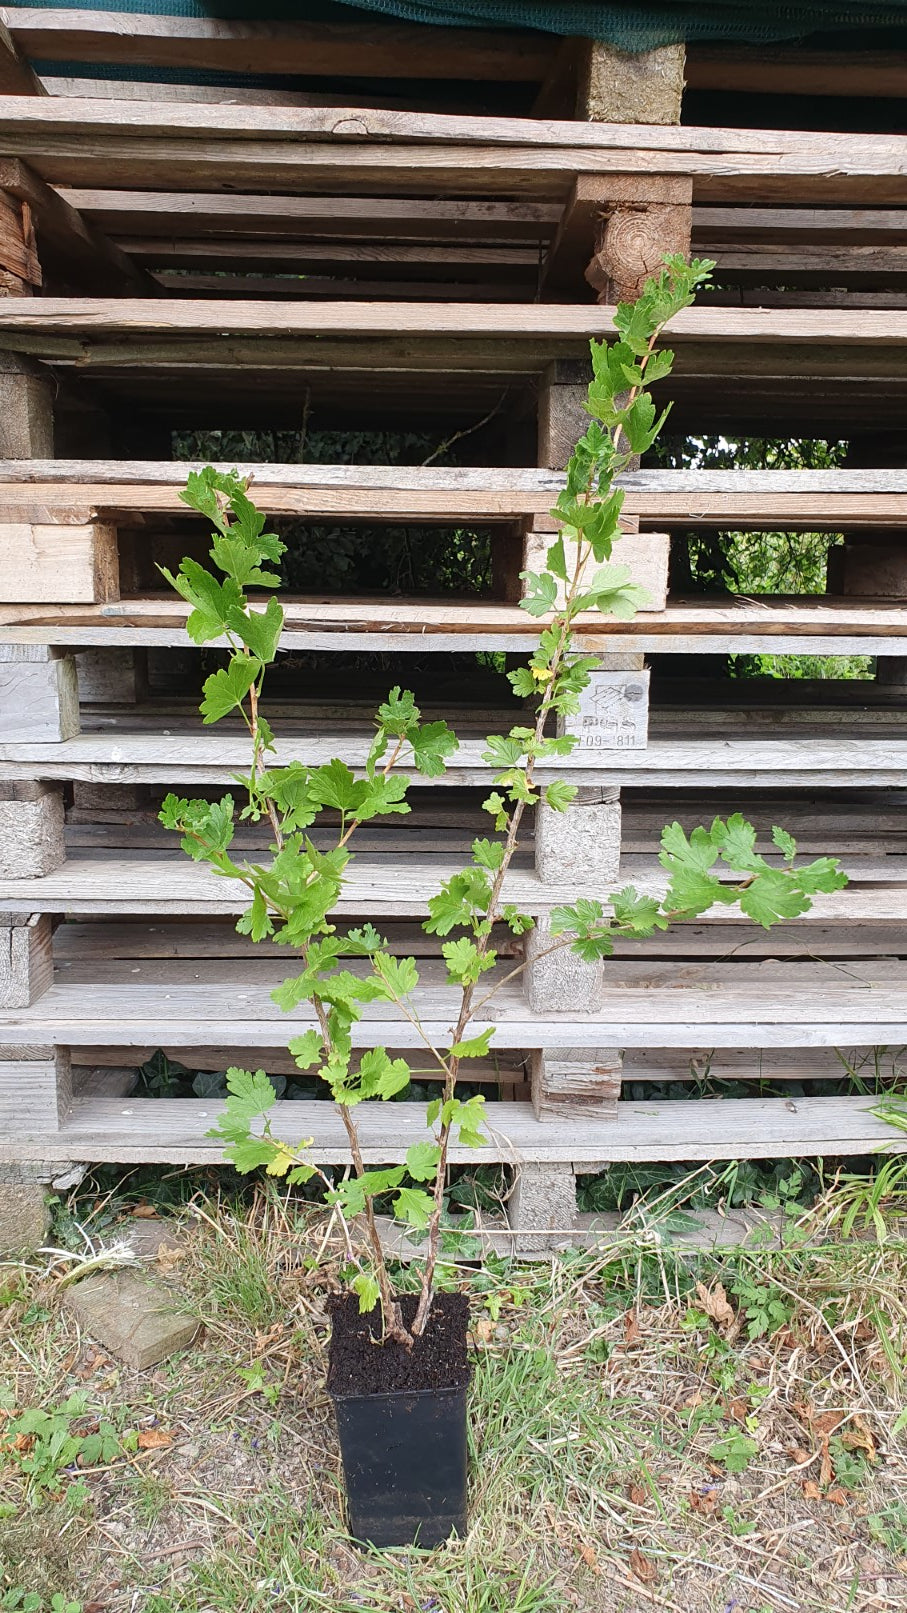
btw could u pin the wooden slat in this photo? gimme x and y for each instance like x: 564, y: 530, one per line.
x: 85, y: 317
x: 792, y: 499
x: 760, y: 1005
x: 16, y: 75
x: 392, y: 886
x: 357, y: 49
x: 797, y: 624
x: 122, y: 143
x: 776, y: 70
x: 200, y: 213
x: 205, y: 758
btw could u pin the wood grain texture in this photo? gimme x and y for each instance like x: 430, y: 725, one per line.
x: 26, y: 959
x: 55, y: 563
x: 74, y: 489
x: 39, y: 699
x: 35, y: 1095
x: 746, y: 1128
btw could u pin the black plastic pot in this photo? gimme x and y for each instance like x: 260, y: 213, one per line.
x: 404, y: 1462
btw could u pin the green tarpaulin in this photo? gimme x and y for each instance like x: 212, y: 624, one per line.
x: 629, y: 27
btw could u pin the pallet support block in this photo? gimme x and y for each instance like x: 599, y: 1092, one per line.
x: 613, y: 710
x: 35, y: 1090
x: 24, y: 1210
x: 642, y: 219
x: 26, y: 410
x: 582, y: 845
x: 54, y: 563
x: 542, y: 1203
x: 616, y: 87
x: 576, y: 1083
x: 556, y: 979
x: 647, y: 554
x: 39, y: 694
x: 31, y: 830
x: 26, y: 958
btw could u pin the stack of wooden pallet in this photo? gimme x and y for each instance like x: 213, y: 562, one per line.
x: 196, y: 264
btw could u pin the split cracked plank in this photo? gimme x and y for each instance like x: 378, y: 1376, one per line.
x: 75, y: 249
x: 805, y: 499
x: 177, y: 1131
x: 85, y: 143
x: 173, y: 757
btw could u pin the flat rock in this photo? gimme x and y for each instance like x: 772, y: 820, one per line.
x: 24, y: 1217
x: 134, y: 1317
x: 150, y: 1238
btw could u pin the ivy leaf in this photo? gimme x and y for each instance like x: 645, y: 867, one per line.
x: 422, y: 1161
x: 414, y: 1207
x: 474, y: 1047
x: 227, y: 689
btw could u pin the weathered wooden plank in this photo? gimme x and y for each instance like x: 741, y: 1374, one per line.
x: 196, y: 757
x: 359, y: 49
x: 832, y: 498
x: 26, y: 958
x: 757, y: 1128
x: 35, y: 1095
x: 196, y: 214
x: 84, y: 317
x: 16, y: 74
x: 774, y: 70
x: 31, y: 831
x: 126, y: 1004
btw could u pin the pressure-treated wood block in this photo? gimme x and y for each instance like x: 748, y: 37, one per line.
x: 876, y: 570
x: 52, y: 563
x: 575, y: 1082
x: 31, y: 830
x: 613, y: 713
x: 39, y: 694
x: 26, y: 958
x: 35, y: 1092
x: 646, y: 553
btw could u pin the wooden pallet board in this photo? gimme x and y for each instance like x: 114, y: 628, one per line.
x: 123, y: 1003
x: 176, y: 1131
x: 398, y: 884
x: 808, y: 500
x: 194, y: 757
x: 795, y: 624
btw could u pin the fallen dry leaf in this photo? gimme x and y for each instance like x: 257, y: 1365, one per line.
x: 826, y: 1467
x: 483, y: 1329
x: 638, y: 1494
x: 716, y: 1304
x: 154, y: 1439
x: 704, y: 1501
x: 739, y: 1410
x: 837, y: 1497
x: 799, y: 1455
x: 589, y: 1558
x: 826, y: 1423
x: 858, y: 1437
x: 811, y: 1490
x: 632, y: 1334
x: 645, y: 1571
x: 145, y: 1212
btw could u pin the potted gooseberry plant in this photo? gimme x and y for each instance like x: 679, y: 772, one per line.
x: 397, y: 1366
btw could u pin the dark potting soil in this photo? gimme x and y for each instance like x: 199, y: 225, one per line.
x: 359, y: 1364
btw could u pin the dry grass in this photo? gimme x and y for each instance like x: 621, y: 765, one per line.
x: 612, y: 1401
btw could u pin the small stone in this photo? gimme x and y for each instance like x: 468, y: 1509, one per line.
x: 24, y: 1217
x: 148, y: 1238
x: 134, y: 1317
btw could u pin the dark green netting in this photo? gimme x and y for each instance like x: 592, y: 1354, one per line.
x: 629, y: 27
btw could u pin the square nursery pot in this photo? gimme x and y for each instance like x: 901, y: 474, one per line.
x: 401, y: 1418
